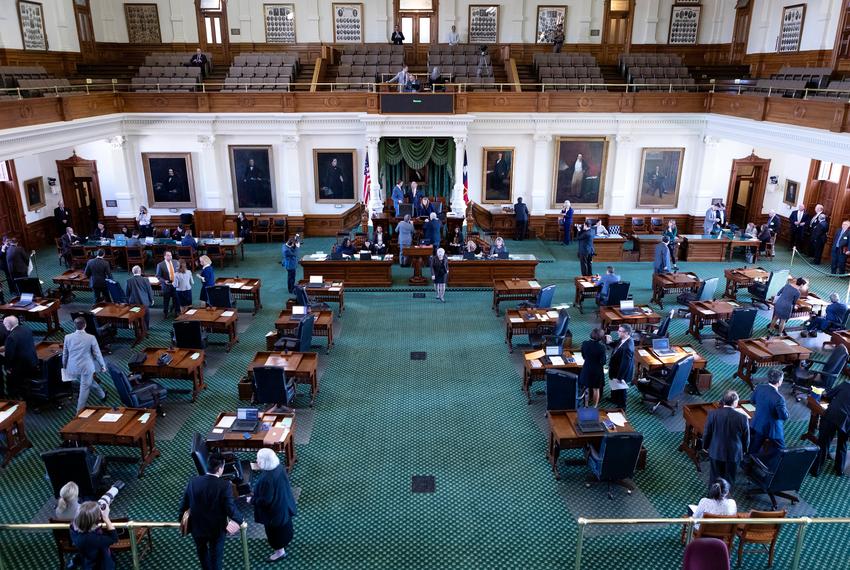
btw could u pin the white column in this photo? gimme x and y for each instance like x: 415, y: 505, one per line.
x: 376, y: 199
x: 208, y: 193
x: 541, y: 178
x: 623, y: 168
x: 134, y: 195
x: 458, y: 205
x: 292, y: 192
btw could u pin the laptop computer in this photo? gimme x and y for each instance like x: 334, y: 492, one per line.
x: 365, y: 255
x: 25, y: 302
x: 316, y: 281
x: 588, y: 420
x: 553, y: 350
x: 661, y: 347
x: 247, y: 420
x: 628, y: 308
x: 299, y: 312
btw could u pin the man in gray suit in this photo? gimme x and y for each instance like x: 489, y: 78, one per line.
x: 661, y: 264
x: 165, y: 271
x: 140, y: 292
x: 710, y: 220
x: 404, y: 229
x: 81, y: 358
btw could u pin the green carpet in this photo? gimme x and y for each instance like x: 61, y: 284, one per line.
x: 459, y: 416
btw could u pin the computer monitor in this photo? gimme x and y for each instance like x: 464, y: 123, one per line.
x: 316, y: 279
x: 588, y: 414
x: 250, y: 414
x: 627, y: 305
x: 660, y: 344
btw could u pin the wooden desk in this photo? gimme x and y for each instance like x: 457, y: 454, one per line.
x: 667, y: 283
x: 123, y: 316
x: 816, y: 410
x: 244, y: 289
x: 45, y: 350
x: 586, y: 288
x: 417, y: 255
x: 329, y: 292
x: 228, y: 245
x: 695, y: 416
x: 236, y: 441
x: 13, y: 429
x: 483, y: 272
x: 807, y: 307
x: 323, y: 325
x: 514, y: 290
x: 301, y: 366
x: 45, y: 310
x: 534, y: 369
x: 611, y: 317
x: 645, y: 244
x: 70, y: 281
x: 758, y: 353
x: 705, y: 248
x: 563, y: 434
x: 181, y: 367
x: 742, y: 278
x: 609, y: 248
x: 373, y: 273
x: 703, y: 313
x: 646, y: 360
x: 752, y: 243
x: 129, y: 431
x: 523, y: 322
x: 213, y: 320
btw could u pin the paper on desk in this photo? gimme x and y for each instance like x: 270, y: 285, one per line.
x: 191, y: 311
x: 334, y: 289
x: 733, y: 303
x: 234, y: 285
x: 789, y: 342
x: 135, y: 309
x: 144, y: 418
x: 85, y: 413
x: 552, y: 314
x: 585, y: 284
x: 643, y: 353
x: 705, y: 311
x: 195, y: 356
x: 217, y: 430
x: 285, y: 422
x: 38, y: 309
x: 688, y: 349
x: 535, y: 354
x: 533, y: 284
x: 96, y: 310
x: 578, y: 358
x: 226, y: 422
x: 153, y: 280
x: 337, y: 283
x: 556, y: 361
x: 110, y: 418
x: 6, y: 413
x: 617, y: 418
x: 536, y: 364
x: 227, y: 314
x: 516, y: 319
x: 271, y: 333
x: 246, y: 287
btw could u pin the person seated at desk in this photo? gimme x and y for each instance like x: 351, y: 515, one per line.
x: 471, y: 250
x: 784, y: 303
x: 345, y: 248
x: 599, y: 229
x: 188, y: 240
x: 125, y: 231
x: 833, y: 319
x: 608, y: 279
x: 68, y: 239
x: 717, y: 502
x: 456, y: 242
x: 379, y: 241
x: 100, y: 232
x: 425, y: 208
x: 134, y: 240
x: 178, y: 233
x: 499, y: 249
x: 750, y: 232
x: 765, y: 236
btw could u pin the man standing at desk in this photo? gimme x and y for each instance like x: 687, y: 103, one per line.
x: 414, y: 196
x: 584, y: 239
x: 725, y: 437
x: 405, y: 230
x: 836, y: 420
x: 20, y: 360
x: 661, y: 264
x: 432, y: 231
x: 799, y: 220
x: 81, y: 358
x: 18, y: 263
x: 710, y: 220
x: 397, y: 195
x: 521, y: 219
x: 98, y: 271
x: 771, y: 412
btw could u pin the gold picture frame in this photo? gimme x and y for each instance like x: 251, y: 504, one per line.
x: 31, y: 22
x: 34, y: 193
x: 253, y: 182
x: 594, y: 152
x: 143, y: 26
x: 658, y: 167
x: 335, y: 183
x: 493, y: 177
x: 544, y: 18
x: 164, y: 189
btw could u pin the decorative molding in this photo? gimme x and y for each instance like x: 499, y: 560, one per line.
x: 117, y: 142
x: 207, y: 141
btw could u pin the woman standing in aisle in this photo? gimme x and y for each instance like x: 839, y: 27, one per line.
x: 183, y: 285
x: 207, y: 276
x: 440, y: 273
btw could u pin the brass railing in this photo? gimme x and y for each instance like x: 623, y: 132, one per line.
x: 802, y: 523
x: 130, y: 525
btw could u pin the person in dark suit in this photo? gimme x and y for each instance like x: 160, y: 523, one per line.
x: 662, y: 262
x: 592, y: 375
x: 212, y: 512
x: 835, y: 312
x: 199, y: 60
x: 413, y: 196
x: 608, y: 279
x: 839, y: 249
x: 20, y: 360
x: 98, y: 271
x: 91, y: 541
x: 189, y: 241
x: 432, y: 230
x: 425, y: 208
x: 397, y: 38
x: 345, y: 248
x: 165, y: 271
x: 521, y: 219
x: 4, y: 264
x: 584, y: 239
x: 818, y: 228
x: 68, y: 239
x: 456, y: 243
x: 566, y: 221
x: 274, y: 503
x: 140, y: 292
x: 207, y: 277
x: 18, y: 262
x: 774, y: 222
x: 62, y: 217
x: 243, y: 226
x: 100, y: 232
x: 622, y: 364
x: 799, y: 221
x: 835, y: 421
x: 726, y: 436
x: 769, y: 419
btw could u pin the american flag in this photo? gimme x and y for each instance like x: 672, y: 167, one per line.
x: 465, y: 178
x: 367, y: 182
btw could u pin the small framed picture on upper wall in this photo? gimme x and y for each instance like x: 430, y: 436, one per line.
x: 34, y: 191
x: 792, y: 190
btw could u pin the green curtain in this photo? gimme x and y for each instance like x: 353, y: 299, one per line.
x: 395, y: 155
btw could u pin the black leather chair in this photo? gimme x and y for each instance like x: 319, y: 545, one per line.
x: 544, y: 299
x: 218, y: 296
x: 615, y: 459
x: 104, y: 334
x: 561, y: 390
x: 662, y: 388
x: 761, y: 293
x: 29, y: 285
x: 302, y: 340
x: 617, y: 292
x: 273, y: 386
x: 77, y: 464
x: 784, y: 476
x: 303, y: 299
x: 47, y: 386
x: 136, y: 393
x: 804, y: 377
x: 236, y: 471
x: 116, y: 292
x: 189, y: 335
x: 558, y: 336
x: 739, y: 326
x: 646, y: 337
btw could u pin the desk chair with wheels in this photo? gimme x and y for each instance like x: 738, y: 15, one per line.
x: 706, y: 554
x: 615, y: 459
x: 29, y: 285
x: 236, y: 471
x: 803, y: 377
x: 77, y: 464
x: 104, y: 334
x: 761, y: 293
x: 617, y: 292
x: 705, y: 293
x: 544, y: 299
x: 302, y: 340
x: 738, y: 327
x: 663, y: 388
x: 646, y: 337
x: 136, y: 393
x: 273, y: 386
x: 784, y: 476
x: 116, y: 293
x: 47, y: 386
x: 557, y: 337
x: 304, y: 300
x: 189, y: 334
x: 561, y: 390
x: 219, y: 296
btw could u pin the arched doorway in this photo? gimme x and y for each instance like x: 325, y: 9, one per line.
x: 81, y: 192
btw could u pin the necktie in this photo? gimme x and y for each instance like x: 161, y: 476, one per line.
x: 170, y: 271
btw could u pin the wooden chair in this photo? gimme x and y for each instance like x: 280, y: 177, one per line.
x: 764, y: 535
x: 278, y: 230
x: 79, y: 256
x: 261, y: 229
x: 656, y: 225
x: 228, y: 235
x: 187, y: 253
x: 638, y: 225
x: 62, y: 538
x: 136, y: 256
x: 724, y: 532
x: 214, y: 252
x: 207, y: 235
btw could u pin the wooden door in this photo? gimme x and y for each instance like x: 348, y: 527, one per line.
x: 212, y: 29
x: 745, y: 197
x: 85, y: 31
x: 12, y: 221
x: 617, y: 29
x: 741, y: 33
x: 417, y: 20
x: 841, y: 49
x: 81, y: 193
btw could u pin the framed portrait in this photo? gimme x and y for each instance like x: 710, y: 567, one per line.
x: 484, y: 24
x: 348, y: 23
x: 34, y: 191
x: 580, y: 164
x: 548, y: 20
x: 334, y: 175
x: 684, y: 25
x: 142, y: 23
x: 498, y: 175
x: 31, y: 18
x: 660, y: 177
x: 792, y: 189
x: 280, y: 23
x: 791, y: 29
x: 168, y: 179
x: 251, y: 174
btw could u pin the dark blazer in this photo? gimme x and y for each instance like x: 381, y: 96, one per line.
x: 20, y: 354
x: 424, y: 211
x: 835, y: 312
x: 273, y: 501
x: 838, y: 411
x: 67, y: 241
x: 774, y: 223
x: 595, y: 355
x: 771, y: 412
x: 94, y: 548
x: 521, y: 212
x: 820, y: 228
x: 726, y: 434
x: 62, y: 217
x: 139, y: 291
x: 622, y: 364
x: 796, y: 217
x: 243, y: 227
x: 17, y: 260
x: 162, y: 273
x: 100, y: 234
x: 189, y: 241
x: 432, y: 231
x: 210, y: 503
x: 841, y: 241
x: 98, y: 271
x: 661, y: 264
x: 585, y: 242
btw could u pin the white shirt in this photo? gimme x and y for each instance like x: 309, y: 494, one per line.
x: 144, y: 219
x: 454, y: 38
x: 710, y: 506
x: 579, y: 167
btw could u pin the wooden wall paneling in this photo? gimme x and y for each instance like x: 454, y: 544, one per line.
x: 328, y: 101
x: 670, y: 103
x: 29, y: 112
x: 766, y: 64
x: 743, y: 106
x: 41, y: 233
x: 56, y: 63
x: 827, y: 115
x: 330, y: 224
x: 579, y: 102
x: 695, y: 55
x: 494, y: 102
x: 92, y: 105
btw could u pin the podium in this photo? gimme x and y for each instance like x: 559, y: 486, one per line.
x: 417, y: 253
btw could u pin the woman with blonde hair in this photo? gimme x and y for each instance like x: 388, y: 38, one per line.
x: 68, y: 505
x: 92, y: 541
x: 207, y: 276
x: 274, y: 503
x: 440, y: 273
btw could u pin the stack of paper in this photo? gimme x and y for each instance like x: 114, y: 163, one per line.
x: 556, y: 361
x: 227, y: 314
x: 617, y: 418
x: 110, y: 418
x: 4, y: 415
x: 578, y: 358
x: 536, y: 364
x: 191, y: 312
x: 534, y: 284
x: 643, y: 353
x: 516, y: 320
x: 226, y: 422
x: 39, y: 308
x: 552, y: 314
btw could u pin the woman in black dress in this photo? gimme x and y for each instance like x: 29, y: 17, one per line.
x: 440, y: 273
x: 592, y: 375
x: 274, y: 503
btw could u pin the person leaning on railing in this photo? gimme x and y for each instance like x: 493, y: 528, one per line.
x: 92, y: 541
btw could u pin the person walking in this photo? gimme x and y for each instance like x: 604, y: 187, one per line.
x: 207, y: 276
x: 274, y: 503
x: 584, y: 239
x: 81, y: 358
x: 165, y: 271
x: 440, y: 273
x: 183, y: 283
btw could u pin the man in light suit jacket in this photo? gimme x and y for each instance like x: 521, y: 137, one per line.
x: 81, y: 359
x: 710, y: 220
x: 621, y: 364
x: 774, y: 222
x: 165, y: 271
x: 140, y: 292
x: 98, y: 271
x: 769, y: 419
x: 19, y: 356
x: 662, y: 261
x: 405, y: 230
x: 725, y: 437
x: 836, y: 420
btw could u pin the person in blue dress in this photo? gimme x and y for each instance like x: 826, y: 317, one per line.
x: 207, y: 276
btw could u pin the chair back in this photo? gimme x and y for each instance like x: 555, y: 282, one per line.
x: 680, y: 373
x: 656, y: 224
x: 207, y: 234
x: 638, y: 224
x: 188, y: 335
x: 561, y: 390
x: 70, y: 464
x: 617, y: 292
x: 709, y: 287
x: 619, y: 453
x: 219, y: 296
x: 762, y: 533
x: 834, y: 365
x: 135, y: 255
x: 91, y: 323
x: 305, y: 333
x: 792, y: 466
x: 271, y: 386
x: 664, y: 327
x: 562, y: 328
x: 199, y: 453
x: 741, y: 324
x: 544, y: 299
x: 228, y: 234
x: 29, y: 285
x: 122, y: 386
x: 775, y: 282
x: 724, y: 532
x: 706, y: 554
x: 116, y: 293
x: 187, y: 254
x: 301, y: 298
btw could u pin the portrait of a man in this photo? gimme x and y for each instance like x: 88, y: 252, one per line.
x: 334, y: 172
x: 498, y: 175
x: 168, y: 177
x: 34, y: 189
x: 580, y: 171
x: 251, y: 173
x: 661, y: 172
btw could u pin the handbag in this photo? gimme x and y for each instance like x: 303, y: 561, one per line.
x: 184, y: 523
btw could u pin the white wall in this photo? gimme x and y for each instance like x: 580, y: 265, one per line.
x: 177, y: 20
x: 652, y: 21
x: 59, y: 26
x: 819, y: 27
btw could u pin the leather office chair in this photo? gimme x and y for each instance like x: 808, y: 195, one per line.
x: 302, y: 340
x: 261, y: 229
x: 136, y: 393
x: 804, y: 378
x: 561, y: 390
x: 77, y: 464
x: 116, y: 293
x: 104, y: 334
x: 705, y: 292
x: 615, y: 459
x: 236, y: 471
x: 646, y: 337
x: 827, y: 326
x: 558, y: 335
x: 661, y: 389
x: 638, y: 225
x: 215, y: 253
x: 273, y: 386
x: 79, y: 256
x: 544, y: 299
x: 29, y: 285
x: 764, y: 535
x: 786, y: 474
x: 762, y: 292
x: 189, y: 335
x: 617, y: 292
x: 47, y: 385
x: 656, y: 225
x: 739, y: 326
x: 304, y: 300
x: 219, y: 296
x: 706, y: 554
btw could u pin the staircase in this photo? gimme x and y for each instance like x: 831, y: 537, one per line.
x: 215, y: 80
x: 527, y: 77
x: 611, y: 75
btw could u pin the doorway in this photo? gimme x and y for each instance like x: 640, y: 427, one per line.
x: 841, y: 52
x: 617, y: 29
x: 85, y: 31
x: 212, y: 28
x: 741, y: 33
x: 11, y: 207
x: 745, y: 196
x: 81, y: 193
x: 417, y: 20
